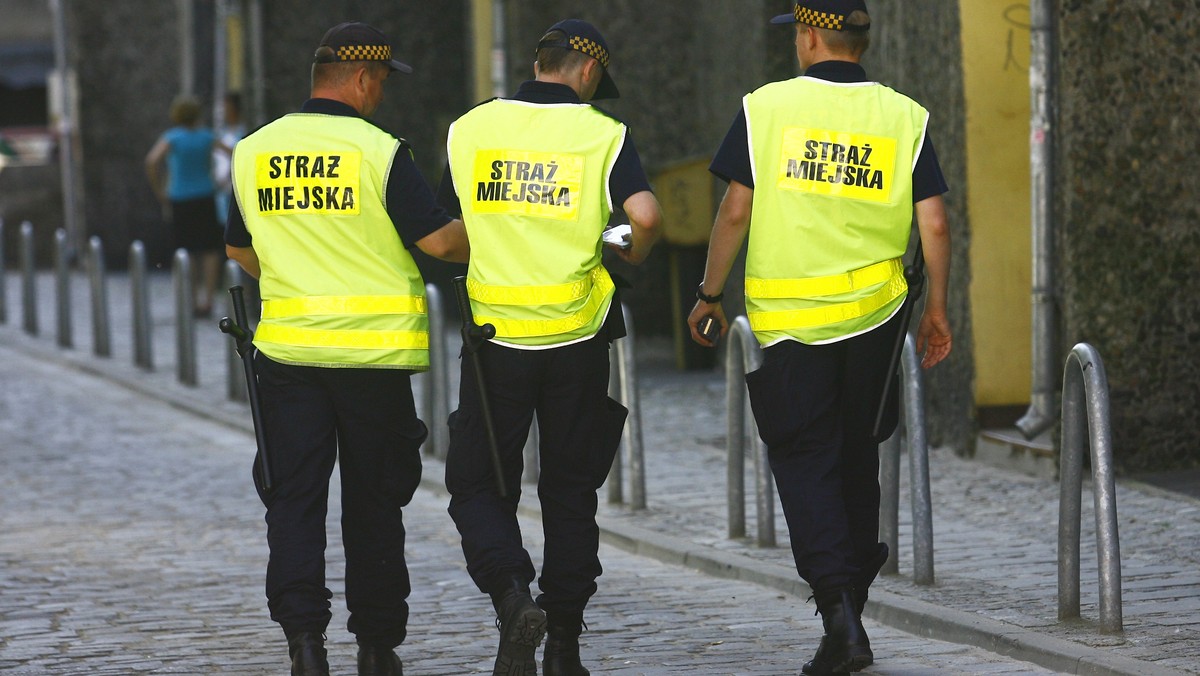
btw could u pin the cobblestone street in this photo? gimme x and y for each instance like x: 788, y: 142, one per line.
x: 131, y: 542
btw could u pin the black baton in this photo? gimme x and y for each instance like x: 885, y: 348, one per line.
x: 914, y: 274
x: 473, y: 337
x: 239, y: 330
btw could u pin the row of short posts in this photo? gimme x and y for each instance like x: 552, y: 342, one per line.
x: 1086, y: 426
x: 93, y: 260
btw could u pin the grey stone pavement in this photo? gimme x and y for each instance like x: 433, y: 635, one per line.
x: 131, y: 541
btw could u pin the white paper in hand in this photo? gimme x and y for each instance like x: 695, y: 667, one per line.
x: 620, y: 236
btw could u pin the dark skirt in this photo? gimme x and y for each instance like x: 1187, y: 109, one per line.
x: 196, y: 226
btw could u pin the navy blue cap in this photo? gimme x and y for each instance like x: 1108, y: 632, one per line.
x: 829, y: 14
x: 355, y: 41
x: 583, y: 37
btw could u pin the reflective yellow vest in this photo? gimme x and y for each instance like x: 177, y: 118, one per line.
x: 532, y: 180
x: 832, y: 211
x: 339, y: 289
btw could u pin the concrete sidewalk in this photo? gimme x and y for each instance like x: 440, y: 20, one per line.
x: 994, y: 531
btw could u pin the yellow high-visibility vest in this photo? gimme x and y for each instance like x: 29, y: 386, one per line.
x: 339, y: 289
x: 532, y: 180
x: 832, y: 165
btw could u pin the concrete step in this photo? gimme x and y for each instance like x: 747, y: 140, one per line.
x: 1007, y: 448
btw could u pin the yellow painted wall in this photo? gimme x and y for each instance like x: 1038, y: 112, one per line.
x: 995, y: 36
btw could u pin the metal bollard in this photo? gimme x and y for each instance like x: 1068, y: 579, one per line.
x: 913, y: 431
x: 532, y: 454
x: 28, y: 280
x: 744, y: 355
x: 62, y: 288
x: 235, y: 378
x: 889, y: 499
x: 635, y: 454
x: 437, y: 384
x: 143, y: 354
x: 1085, y: 410
x: 616, y: 473
x: 185, y: 319
x: 3, y: 279
x: 97, y: 280
x: 918, y: 463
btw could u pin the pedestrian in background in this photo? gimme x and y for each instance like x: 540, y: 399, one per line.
x: 329, y: 206
x: 535, y: 177
x: 825, y: 173
x: 231, y: 130
x: 188, y: 194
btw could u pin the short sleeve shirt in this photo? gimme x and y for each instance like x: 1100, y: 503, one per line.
x: 410, y: 201
x: 189, y: 163
x: 732, y: 161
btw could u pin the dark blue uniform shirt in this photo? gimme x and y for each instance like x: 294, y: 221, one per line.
x: 410, y: 201
x: 732, y: 161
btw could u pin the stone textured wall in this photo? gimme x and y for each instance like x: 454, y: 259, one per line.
x: 127, y: 58
x: 916, y: 50
x: 126, y: 82
x: 683, y: 68
x: 429, y: 36
x: 1129, y: 215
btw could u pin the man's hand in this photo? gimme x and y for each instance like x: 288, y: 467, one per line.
x: 699, y: 312
x: 933, y: 338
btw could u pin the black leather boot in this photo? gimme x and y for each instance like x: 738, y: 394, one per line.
x: 862, y: 583
x: 522, y: 625
x: 845, y: 646
x: 378, y: 661
x: 307, y: 650
x: 561, y: 657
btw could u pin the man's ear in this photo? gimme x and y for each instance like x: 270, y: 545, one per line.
x: 592, y: 69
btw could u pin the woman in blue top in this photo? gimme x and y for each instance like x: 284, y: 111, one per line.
x: 188, y: 194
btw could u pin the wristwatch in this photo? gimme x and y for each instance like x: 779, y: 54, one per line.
x: 707, y: 298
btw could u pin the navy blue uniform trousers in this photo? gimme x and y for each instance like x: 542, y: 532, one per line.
x: 365, y: 420
x: 815, y: 406
x: 579, y: 430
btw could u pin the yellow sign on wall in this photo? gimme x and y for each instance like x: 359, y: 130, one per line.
x: 995, y: 43
x: 685, y: 192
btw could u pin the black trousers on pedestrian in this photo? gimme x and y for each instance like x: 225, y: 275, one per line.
x: 365, y: 420
x: 580, y: 428
x: 815, y: 406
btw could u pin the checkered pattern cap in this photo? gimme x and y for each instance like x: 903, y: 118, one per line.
x: 354, y: 41
x: 582, y: 36
x: 829, y: 14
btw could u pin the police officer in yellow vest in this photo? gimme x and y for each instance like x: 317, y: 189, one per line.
x: 825, y: 173
x: 328, y: 206
x: 536, y: 177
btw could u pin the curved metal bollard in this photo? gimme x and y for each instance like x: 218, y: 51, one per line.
x: 625, y: 384
x: 235, y: 374
x: 918, y: 463
x: 635, y: 452
x: 437, y: 386
x: 616, y: 472
x: 914, y: 429
x: 1085, y: 390
x: 62, y: 289
x: 185, y: 319
x: 143, y: 354
x: 744, y: 355
x: 98, y: 281
x: 3, y: 279
x: 28, y: 280
x: 889, y: 500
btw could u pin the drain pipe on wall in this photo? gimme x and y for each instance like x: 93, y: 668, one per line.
x: 1042, y: 410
